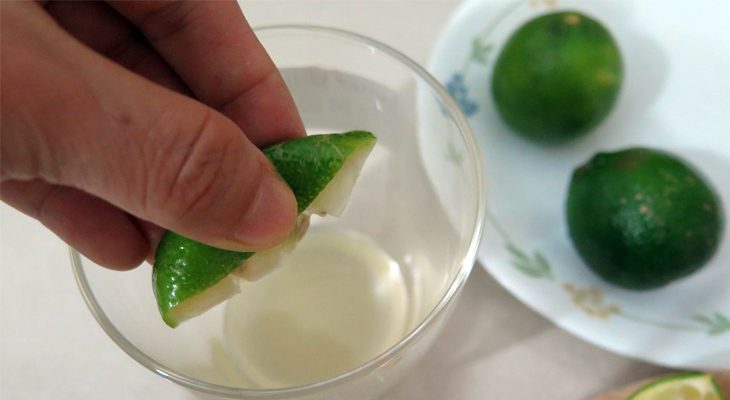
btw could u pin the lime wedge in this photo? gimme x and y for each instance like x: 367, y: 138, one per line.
x: 684, y: 386
x: 189, y: 277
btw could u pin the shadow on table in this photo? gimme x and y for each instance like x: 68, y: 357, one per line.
x: 495, y: 347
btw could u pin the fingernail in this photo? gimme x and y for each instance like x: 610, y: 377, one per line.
x: 271, y: 216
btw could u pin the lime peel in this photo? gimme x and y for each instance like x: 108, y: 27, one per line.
x: 683, y: 386
x: 189, y: 277
x: 224, y: 289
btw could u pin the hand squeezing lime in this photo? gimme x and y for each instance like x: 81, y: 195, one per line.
x: 190, y: 277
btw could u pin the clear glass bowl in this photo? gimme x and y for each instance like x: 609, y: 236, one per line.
x: 420, y: 204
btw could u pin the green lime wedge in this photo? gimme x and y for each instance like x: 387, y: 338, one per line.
x: 684, y: 386
x: 189, y: 277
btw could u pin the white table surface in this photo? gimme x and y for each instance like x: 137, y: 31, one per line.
x: 493, y: 347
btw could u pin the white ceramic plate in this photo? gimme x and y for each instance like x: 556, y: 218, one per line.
x: 676, y: 97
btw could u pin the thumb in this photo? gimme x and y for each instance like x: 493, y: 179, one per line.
x: 79, y: 120
x: 196, y: 174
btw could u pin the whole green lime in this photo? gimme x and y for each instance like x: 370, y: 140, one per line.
x: 557, y: 77
x: 641, y: 218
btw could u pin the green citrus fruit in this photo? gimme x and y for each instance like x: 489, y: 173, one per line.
x: 641, y: 218
x: 190, y: 277
x: 683, y: 386
x: 557, y: 77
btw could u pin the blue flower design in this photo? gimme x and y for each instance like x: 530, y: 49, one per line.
x: 458, y: 90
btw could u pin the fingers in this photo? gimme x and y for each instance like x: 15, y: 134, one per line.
x: 102, y: 29
x: 213, y: 49
x: 254, y: 96
x: 100, y: 231
x: 76, y: 119
x: 153, y: 233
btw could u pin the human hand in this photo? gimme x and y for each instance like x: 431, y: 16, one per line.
x: 120, y: 118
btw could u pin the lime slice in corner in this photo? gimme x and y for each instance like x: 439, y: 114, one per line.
x: 189, y: 277
x: 684, y: 386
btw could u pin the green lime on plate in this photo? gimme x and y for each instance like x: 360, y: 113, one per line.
x: 641, y: 218
x: 683, y: 386
x: 190, y: 277
x: 557, y: 77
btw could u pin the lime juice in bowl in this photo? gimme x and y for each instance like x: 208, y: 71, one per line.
x: 363, y: 295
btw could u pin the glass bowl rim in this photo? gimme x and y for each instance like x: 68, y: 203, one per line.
x: 408, y: 340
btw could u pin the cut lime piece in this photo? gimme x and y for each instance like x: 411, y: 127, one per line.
x: 684, y: 386
x: 311, y: 163
x: 262, y: 262
x: 190, y: 277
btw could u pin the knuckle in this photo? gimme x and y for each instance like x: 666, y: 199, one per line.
x: 193, y: 171
x: 167, y: 19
